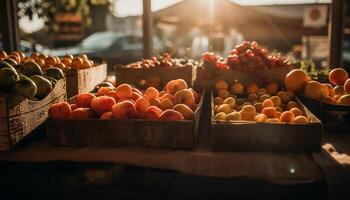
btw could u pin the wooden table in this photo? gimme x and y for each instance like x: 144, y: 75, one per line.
x: 332, y: 163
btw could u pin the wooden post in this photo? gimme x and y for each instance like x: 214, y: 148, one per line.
x: 9, y: 21
x: 147, y: 22
x: 336, y: 31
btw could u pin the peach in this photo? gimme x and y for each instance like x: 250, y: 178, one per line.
x: 73, y: 106
x: 268, y: 103
x: 185, y: 96
x: 315, y: 90
x: 124, y: 110
x: 283, y: 96
x: 338, y: 90
x: 126, y: 99
x: 272, y: 88
x: 276, y: 101
x: 221, y: 85
x: 248, y: 112
x: 161, y: 93
x: 270, y: 112
x: 230, y: 101
x: 218, y: 101
x: 263, y: 97
x: 226, y: 108
x: 154, y: 102
x: 237, y: 88
x: 135, y: 96
x: 329, y: 88
x: 83, y: 113
x: 287, y: 116
x: 186, y: 111
x: 83, y: 100
x: 106, y: 115
x: 252, y: 88
x: 196, y: 96
x: 221, y: 116
x: 153, y: 113
x: 223, y: 94
x: 329, y: 100
x: 102, y: 104
x: 296, y: 112
x: 338, y: 76
x: 141, y: 105
x: 300, y: 119
x: 345, y: 99
x: 166, y: 104
x: 151, y: 93
x: 252, y: 97
x: 60, y: 110
x: 104, y: 91
x: 273, y: 120
x: 290, y: 94
x: 171, y: 115
x: 347, y: 86
x: 296, y: 80
x: 233, y: 116
x: 136, y: 90
x: 168, y: 96
x: 291, y: 105
x: 260, y: 118
x: 124, y: 91
x: 258, y: 107
x: 113, y: 94
x: 176, y: 85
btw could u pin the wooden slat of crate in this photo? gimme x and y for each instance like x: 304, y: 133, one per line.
x: 269, y: 137
x: 85, y: 80
x: 19, y: 116
x: 137, y: 76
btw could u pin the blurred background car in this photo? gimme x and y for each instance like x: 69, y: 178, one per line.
x: 112, y: 47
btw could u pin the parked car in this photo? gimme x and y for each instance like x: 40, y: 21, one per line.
x: 28, y: 48
x: 114, y: 48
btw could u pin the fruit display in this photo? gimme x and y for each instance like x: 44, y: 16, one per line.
x: 24, y: 76
x: 336, y: 92
x: 156, y: 72
x: 268, y: 104
x: 246, y: 57
x: 164, y: 60
x: 176, y: 102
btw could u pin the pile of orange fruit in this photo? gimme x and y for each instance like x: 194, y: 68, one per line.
x: 175, y: 102
x: 267, y: 104
x: 337, y: 91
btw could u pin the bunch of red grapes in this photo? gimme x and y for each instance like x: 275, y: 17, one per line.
x: 247, y: 57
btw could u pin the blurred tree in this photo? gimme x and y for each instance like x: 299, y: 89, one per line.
x: 47, y: 9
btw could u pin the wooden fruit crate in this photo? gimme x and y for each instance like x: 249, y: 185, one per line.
x: 19, y: 116
x: 156, y: 77
x: 133, y: 132
x: 336, y: 118
x: 267, y: 137
x: 84, y: 80
x: 207, y: 78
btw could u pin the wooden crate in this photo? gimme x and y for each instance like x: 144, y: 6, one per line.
x: 207, y: 78
x: 19, y: 116
x: 84, y: 80
x: 141, y: 78
x: 133, y: 132
x: 336, y: 118
x: 267, y: 137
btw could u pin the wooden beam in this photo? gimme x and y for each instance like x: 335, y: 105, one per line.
x: 147, y: 29
x: 9, y: 21
x: 336, y: 32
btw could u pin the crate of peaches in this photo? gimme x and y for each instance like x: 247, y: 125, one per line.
x: 268, y: 118
x: 126, y: 116
x: 247, y: 62
x: 329, y: 101
x: 156, y: 72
